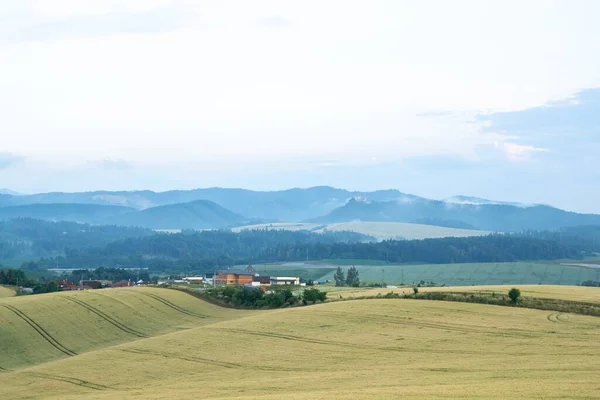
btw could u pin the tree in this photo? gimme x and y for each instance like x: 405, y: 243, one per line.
x: 515, y: 295
x: 352, y: 277
x: 340, y: 277
x: 313, y: 295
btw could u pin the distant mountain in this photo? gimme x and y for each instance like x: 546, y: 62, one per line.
x: 285, y: 205
x: 200, y: 214
x: 479, y: 201
x: 493, y: 217
x: 9, y: 192
x: 83, y: 213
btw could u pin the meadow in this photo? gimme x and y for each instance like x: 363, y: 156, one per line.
x: 378, y: 230
x: 364, y: 349
x: 516, y: 273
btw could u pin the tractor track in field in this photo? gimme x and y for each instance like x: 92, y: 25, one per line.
x: 107, y: 318
x: 72, y: 381
x: 173, y: 306
x: 200, y: 360
x: 42, y: 332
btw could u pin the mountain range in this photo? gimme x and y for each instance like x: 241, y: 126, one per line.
x: 223, y: 208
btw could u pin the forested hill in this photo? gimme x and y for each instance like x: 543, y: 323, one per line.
x: 25, y: 237
x: 493, y: 217
x: 200, y: 251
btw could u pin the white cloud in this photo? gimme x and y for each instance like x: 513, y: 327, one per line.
x: 518, y: 152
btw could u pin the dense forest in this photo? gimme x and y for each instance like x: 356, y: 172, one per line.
x: 84, y: 247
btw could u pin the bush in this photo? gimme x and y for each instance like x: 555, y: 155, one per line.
x: 313, y: 295
x: 416, y: 290
x: 515, y: 295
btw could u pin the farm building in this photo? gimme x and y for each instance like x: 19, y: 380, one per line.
x: 285, y: 280
x: 194, y: 279
x: 233, y: 277
x: 123, y: 284
x: 261, y: 280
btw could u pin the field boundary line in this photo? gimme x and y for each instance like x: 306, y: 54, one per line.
x: 43, y: 333
x: 73, y: 381
x: 107, y: 318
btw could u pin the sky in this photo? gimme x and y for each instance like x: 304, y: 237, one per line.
x: 495, y: 99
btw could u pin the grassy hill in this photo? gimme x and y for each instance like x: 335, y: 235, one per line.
x: 6, y: 292
x: 85, y: 213
x: 42, y: 328
x: 368, y: 349
x: 378, y: 230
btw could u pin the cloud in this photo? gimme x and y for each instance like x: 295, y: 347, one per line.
x: 119, y: 165
x: 8, y: 160
x: 275, y: 21
x: 157, y: 20
x: 518, y: 152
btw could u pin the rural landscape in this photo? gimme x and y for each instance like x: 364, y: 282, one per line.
x: 94, y: 309
x: 299, y: 200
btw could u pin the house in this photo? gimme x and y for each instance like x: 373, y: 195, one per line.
x: 122, y: 284
x: 90, y: 284
x: 64, y: 284
x: 285, y: 280
x: 261, y: 280
x: 233, y: 277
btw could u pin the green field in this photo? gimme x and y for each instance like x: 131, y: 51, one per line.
x: 364, y: 349
x: 523, y: 273
x: 6, y: 292
x: 379, y: 230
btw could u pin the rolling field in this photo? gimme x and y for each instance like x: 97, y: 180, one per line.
x: 46, y: 327
x: 6, y: 292
x: 379, y: 230
x: 521, y: 273
x: 572, y: 293
x: 365, y: 349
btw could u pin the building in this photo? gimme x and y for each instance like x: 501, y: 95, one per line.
x: 122, y: 284
x: 233, y: 277
x: 285, y: 280
x: 194, y: 279
x: 64, y: 284
x: 261, y: 280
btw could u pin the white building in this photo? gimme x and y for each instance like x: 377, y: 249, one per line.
x: 285, y: 280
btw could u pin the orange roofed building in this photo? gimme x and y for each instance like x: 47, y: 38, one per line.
x: 233, y: 277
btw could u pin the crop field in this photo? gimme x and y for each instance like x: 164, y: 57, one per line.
x: 522, y: 273
x: 364, y: 349
x: 379, y: 230
x: 572, y: 293
x: 6, y: 292
x: 46, y: 327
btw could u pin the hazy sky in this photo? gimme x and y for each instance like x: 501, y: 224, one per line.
x: 487, y: 98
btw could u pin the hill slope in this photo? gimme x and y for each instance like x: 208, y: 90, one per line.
x: 439, y: 349
x: 6, y: 292
x: 378, y: 230
x: 41, y: 328
x: 85, y: 213
x: 493, y: 217
x: 200, y: 214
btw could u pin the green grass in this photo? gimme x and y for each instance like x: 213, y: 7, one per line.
x: 356, y: 350
x: 546, y: 273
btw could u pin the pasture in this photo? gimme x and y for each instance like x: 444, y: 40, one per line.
x: 378, y: 230
x: 365, y: 349
x: 514, y: 273
x: 6, y: 292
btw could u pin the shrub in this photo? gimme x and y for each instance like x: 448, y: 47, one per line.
x: 515, y: 295
x: 415, y: 290
x: 313, y: 295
